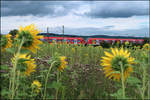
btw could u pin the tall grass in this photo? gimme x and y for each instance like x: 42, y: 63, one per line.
x: 83, y: 77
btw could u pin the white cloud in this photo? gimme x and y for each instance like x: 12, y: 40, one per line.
x: 73, y: 21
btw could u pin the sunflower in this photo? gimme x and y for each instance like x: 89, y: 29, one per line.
x: 63, y: 63
x: 29, y: 63
x: 6, y: 42
x: 73, y: 50
x: 32, y: 40
x: 127, y: 43
x: 31, y: 67
x: 37, y: 85
x: 111, y: 64
x: 146, y: 46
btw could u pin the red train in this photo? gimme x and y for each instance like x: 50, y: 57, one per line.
x: 70, y: 40
x: 92, y: 41
x: 98, y: 41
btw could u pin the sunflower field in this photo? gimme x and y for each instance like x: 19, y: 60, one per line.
x: 32, y: 69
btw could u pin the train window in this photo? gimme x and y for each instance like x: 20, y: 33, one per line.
x: 106, y: 41
x: 140, y: 41
x: 57, y: 40
x: 75, y: 41
x: 71, y: 40
x: 42, y: 39
x: 68, y: 40
x: 61, y: 40
x: 78, y: 40
x: 97, y: 41
x: 121, y: 41
x: 134, y: 41
x: 50, y: 40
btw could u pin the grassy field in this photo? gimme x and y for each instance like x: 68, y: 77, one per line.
x: 32, y: 69
x: 82, y: 78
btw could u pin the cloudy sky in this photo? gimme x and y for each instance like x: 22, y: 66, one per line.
x: 126, y: 18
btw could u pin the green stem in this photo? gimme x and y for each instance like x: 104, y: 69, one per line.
x: 14, y: 69
x: 148, y: 75
x: 44, y: 96
x: 10, y: 84
x: 17, y: 84
x: 63, y: 93
x: 57, y: 82
x: 32, y: 96
x: 144, y: 81
x: 122, y: 80
x: 148, y: 90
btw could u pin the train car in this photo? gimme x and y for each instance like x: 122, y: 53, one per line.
x: 99, y: 41
x: 93, y: 41
x: 71, y: 40
x: 136, y: 41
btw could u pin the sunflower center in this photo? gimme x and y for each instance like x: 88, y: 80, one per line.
x: 116, y: 63
x: 28, y: 38
x: 4, y: 41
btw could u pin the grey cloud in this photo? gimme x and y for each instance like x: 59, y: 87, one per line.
x: 36, y: 8
x: 99, y: 31
x: 118, y: 9
x: 108, y: 27
x: 98, y: 9
x: 22, y: 8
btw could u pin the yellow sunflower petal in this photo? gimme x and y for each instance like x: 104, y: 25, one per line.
x: 121, y: 51
x: 117, y: 51
x: 108, y: 54
x: 105, y: 64
x: 113, y: 51
x: 131, y: 60
x: 106, y: 58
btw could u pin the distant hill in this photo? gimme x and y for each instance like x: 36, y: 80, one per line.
x: 92, y: 36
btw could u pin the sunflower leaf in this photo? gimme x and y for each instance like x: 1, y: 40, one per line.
x: 10, y: 50
x: 23, y: 51
x: 21, y: 67
x: 117, y: 94
x: 4, y: 92
x: 21, y: 60
x: 56, y: 85
x: 133, y: 80
x: 115, y: 72
x: 4, y: 67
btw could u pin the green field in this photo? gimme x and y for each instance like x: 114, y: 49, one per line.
x: 82, y: 78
